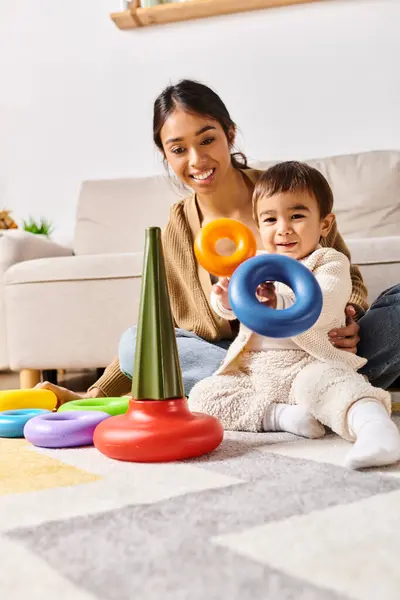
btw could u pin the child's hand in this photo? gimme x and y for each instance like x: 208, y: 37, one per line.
x: 266, y: 294
x: 221, y: 291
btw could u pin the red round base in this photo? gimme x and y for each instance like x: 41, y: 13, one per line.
x: 158, y: 431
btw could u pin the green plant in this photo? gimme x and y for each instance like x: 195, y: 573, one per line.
x: 40, y: 227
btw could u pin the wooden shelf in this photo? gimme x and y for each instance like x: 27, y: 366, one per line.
x: 193, y: 9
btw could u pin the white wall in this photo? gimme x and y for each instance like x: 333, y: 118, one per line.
x: 76, y: 93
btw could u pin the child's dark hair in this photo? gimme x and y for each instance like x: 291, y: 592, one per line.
x: 194, y: 97
x: 292, y: 176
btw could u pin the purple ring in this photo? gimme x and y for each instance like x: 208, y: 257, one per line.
x: 63, y: 429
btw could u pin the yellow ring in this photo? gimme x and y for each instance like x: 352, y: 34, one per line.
x: 30, y: 398
x: 208, y: 236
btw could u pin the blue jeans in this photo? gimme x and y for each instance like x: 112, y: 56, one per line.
x: 379, y: 333
x: 198, y: 358
x: 380, y: 339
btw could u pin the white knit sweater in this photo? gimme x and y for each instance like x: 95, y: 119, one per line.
x: 332, y: 271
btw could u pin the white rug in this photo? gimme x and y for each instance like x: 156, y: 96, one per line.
x: 266, y: 516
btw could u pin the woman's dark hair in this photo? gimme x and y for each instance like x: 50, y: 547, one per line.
x: 194, y: 97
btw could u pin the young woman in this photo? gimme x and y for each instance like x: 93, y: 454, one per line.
x: 196, y: 135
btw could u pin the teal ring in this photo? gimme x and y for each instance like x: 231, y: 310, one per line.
x: 12, y: 422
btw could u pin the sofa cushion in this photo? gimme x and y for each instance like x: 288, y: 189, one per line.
x: 113, y: 214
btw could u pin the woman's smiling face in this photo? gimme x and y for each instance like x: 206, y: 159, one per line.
x: 197, y: 149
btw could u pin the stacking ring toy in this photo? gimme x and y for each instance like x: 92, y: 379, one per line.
x: 263, y: 319
x: 31, y: 398
x: 208, y: 236
x: 112, y: 406
x: 64, y: 430
x: 12, y: 422
x: 158, y: 431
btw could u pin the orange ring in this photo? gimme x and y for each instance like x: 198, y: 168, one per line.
x: 208, y: 236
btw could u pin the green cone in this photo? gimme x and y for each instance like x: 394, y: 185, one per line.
x: 157, y: 373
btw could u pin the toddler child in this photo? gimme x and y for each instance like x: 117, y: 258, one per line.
x: 301, y: 383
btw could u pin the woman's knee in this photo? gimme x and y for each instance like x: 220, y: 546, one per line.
x: 395, y: 289
x: 389, y: 297
x: 126, y: 350
x: 380, y: 336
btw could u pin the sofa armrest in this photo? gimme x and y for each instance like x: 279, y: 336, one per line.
x: 69, y: 312
x: 89, y: 267
x: 19, y: 246
x: 374, y: 250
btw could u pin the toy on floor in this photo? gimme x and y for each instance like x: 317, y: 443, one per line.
x: 112, y: 406
x: 158, y: 426
x: 64, y: 430
x: 254, y: 270
x: 34, y: 398
x: 12, y: 422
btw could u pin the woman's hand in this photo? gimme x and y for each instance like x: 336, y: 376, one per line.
x: 266, y: 294
x: 221, y: 291
x: 64, y: 395
x: 346, y: 338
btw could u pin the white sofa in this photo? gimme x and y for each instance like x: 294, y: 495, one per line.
x: 19, y: 246
x: 69, y: 312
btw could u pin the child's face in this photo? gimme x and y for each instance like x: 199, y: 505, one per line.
x: 290, y: 223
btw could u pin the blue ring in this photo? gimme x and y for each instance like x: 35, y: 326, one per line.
x: 12, y: 422
x: 268, y: 321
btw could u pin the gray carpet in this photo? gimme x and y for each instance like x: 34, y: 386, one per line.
x: 266, y: 516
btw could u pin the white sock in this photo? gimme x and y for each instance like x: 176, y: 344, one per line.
x: 377, y: 437
x: 292, y: 419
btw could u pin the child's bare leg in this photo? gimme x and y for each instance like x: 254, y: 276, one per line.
x: 348, y: 404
